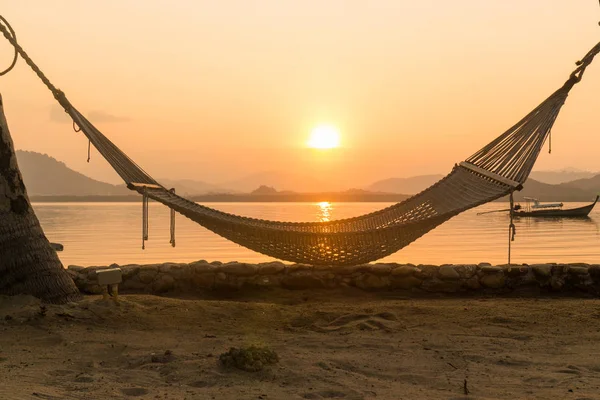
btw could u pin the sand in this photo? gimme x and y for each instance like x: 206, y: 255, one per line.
x: 331, y: 345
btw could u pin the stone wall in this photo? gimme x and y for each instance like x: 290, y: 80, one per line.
x: 201, y: 276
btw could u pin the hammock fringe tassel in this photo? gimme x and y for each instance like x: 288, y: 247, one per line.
x: 172, y: 230
x: 144, y: 217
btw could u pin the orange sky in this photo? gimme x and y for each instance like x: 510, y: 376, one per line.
x: 214, y: 90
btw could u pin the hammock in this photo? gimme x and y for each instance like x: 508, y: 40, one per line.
x: 497, y: 170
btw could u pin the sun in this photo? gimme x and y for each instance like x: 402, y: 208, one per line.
x: 324, y: 137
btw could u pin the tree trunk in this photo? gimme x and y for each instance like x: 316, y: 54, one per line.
x: 28, y: 264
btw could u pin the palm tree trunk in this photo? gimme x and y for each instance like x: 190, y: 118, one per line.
x: 28, y: 264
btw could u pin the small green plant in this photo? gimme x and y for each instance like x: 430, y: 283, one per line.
x: 251, y: 359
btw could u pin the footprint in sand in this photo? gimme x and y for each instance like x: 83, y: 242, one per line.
x: 201, y: 384
x: 384, y: 321
x: 61, y: 372
x: 333, y: 394
x: 326, y: 394
x: 134, y: 391
x: 84, y: 379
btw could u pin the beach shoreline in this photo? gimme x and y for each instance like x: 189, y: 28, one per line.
x: 331, y: 343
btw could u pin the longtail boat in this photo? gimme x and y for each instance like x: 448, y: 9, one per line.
x: 551, y: 210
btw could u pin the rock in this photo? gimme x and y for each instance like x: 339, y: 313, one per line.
x: 163, y: 283
x: 271, y: 268
x: 202, y: 268
x: 594, y: 271
x: 435, y: 285
x: 239, y: 269
x: 426, y: 272
x: 371, y: 282
x: 224, y: 281
x: 448, y: 273
x: 133, y: 285
x: 92, y: 288
x: 542, y: 270
x: 166, y: 267
x: 514, y: 271
x: 473, y: 282
x: 182, y: 274
x: 484, y: 264
x: 203, y: 280
x: 489, y: 269
x: 527, y: 279
x: 299, y: 268
x: 220, y: 276
x: 73, y: 274
x: 466, y: 271
x: 75, y: 268
x: 264, y: 281
x: 329, y: 280
x: 147, y: 273
x: 301, y: 281
x: 493, y: 280
x: 322, y: 269
x: 560, y: 269
x: 556, y: 282
x: 578, y: 270
x: 351, y: 269
x: 404, y: 282
x: 380, y: 269
x: 129, y: 271
x: 57, y: 246
x: 405, y: 270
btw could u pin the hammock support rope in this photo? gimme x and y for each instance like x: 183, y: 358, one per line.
x: 497, y: 170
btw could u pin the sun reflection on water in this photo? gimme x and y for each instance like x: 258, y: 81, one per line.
x: 324, y: 211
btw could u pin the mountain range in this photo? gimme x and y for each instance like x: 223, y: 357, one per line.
x: 46, y: 177
x: 561, y: 176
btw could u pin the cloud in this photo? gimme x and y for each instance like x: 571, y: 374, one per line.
x: 101, y: 116
x: 57, y: 114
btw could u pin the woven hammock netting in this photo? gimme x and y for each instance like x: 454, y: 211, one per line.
x: 496, y: 170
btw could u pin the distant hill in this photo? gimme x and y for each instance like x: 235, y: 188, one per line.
x: 561, y: 176
x: 189, y: 187
x: 546, y: 192
x: 281, y: 181
x: 589, y: 184
x: 579, y: 190
x: 45, y: 176
x: 264, y: 190
x: 410, y: 185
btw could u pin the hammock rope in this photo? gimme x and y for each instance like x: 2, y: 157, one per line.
x: 11, y: 34
x: 496, y: 170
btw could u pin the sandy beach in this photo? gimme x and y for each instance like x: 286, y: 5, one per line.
x: 333, y: 344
